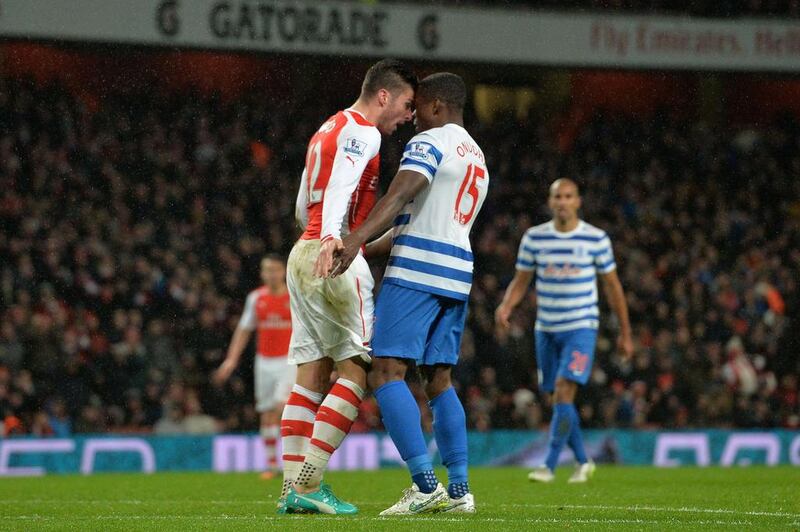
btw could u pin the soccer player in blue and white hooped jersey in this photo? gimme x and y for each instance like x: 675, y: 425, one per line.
x: 566, y: 255
x: 422, y: 306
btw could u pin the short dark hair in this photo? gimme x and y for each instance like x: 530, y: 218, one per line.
x: 274, y: 257
x: 447, y: 87
x: 389, y: 74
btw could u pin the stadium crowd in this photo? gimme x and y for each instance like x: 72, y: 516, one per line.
x: 132, y: 234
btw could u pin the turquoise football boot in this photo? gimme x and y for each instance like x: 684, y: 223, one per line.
x: 322, y: 501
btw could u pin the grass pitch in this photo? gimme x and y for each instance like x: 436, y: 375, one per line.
x: 617, y: 498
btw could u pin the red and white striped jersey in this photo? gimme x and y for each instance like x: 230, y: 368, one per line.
x: 271, y: 316
x: 339, y: 184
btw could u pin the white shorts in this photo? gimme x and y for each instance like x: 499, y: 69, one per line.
x: 274, y: 378
x: 330, y: 317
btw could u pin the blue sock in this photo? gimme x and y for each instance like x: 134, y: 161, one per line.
x: 575, y: 440
x: 560, y: 427
x: 450, y: 431
x: 401, y: 418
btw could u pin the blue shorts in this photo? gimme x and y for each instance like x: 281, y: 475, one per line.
x: 417, y: 325
x: 568, y: 354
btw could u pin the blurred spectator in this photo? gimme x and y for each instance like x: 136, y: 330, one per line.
x: 171, y: 422
x: 194, y: 420
x: 59, y: 420
x: 738, y: 371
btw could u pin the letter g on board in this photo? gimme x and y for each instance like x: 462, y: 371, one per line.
x: 428, y: 32
x: 167, y: 20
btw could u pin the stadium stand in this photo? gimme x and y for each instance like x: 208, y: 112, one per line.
x: 133, y: 230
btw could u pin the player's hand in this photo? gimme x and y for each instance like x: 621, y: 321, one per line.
x: 324, y: 263
x: 501, y: 316
x: 344, y: 257
x: 223, y: 373
x: 625, y: 345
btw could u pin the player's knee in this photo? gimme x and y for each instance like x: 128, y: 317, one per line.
x: 437, y: 380
x: 353, y: 369
x: 385, y: 370
x: 308, y: 377
x: 271, y: 417
x: 315, y: 376
x: 565, y: 391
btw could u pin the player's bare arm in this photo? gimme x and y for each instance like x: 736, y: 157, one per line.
x: 405, y: 186
x: 300, y: 211
x: 238, y: 344
x: 514, y: 293
x: 615, y: 296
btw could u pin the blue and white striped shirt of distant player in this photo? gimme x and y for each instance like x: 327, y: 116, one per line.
x: 431, y: 251
x: 566, y: 264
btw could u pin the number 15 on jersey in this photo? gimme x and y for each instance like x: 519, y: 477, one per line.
x: 468, y: 194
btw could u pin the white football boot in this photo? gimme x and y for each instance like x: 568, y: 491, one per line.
x: 541, y: 474
x: 583, y: 472
x: 462, y: 505
x: 414, y: 502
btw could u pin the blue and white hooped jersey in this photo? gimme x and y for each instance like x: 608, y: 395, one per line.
x: 431, y: 249
x: 566, y: 267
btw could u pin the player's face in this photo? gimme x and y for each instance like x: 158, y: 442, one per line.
x: 272, y: 272
x: 564, y: 201
x: 399, y: 110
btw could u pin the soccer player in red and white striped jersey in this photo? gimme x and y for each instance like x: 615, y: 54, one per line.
x: 332, y: 317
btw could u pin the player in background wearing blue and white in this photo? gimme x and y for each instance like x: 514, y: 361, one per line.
x: 566, y: 255
x: 422, y: 306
